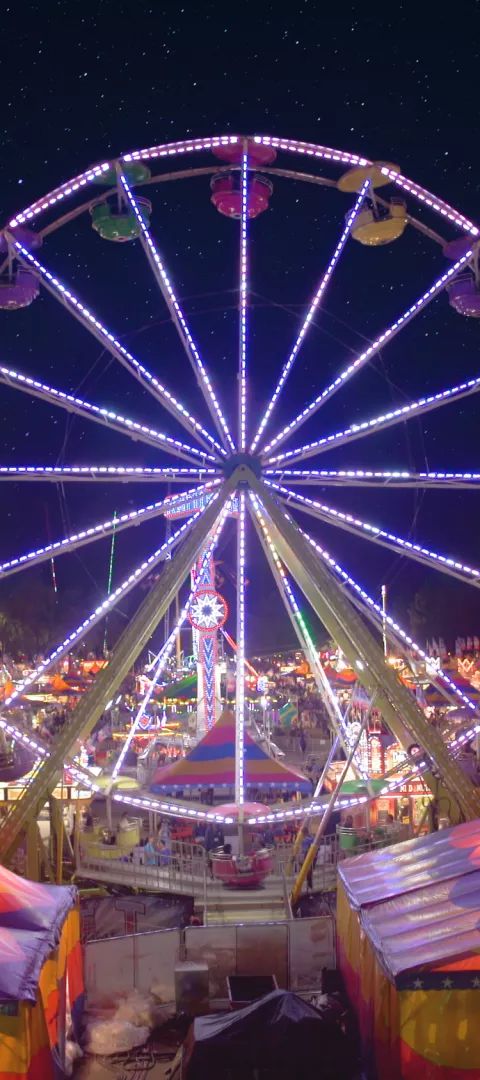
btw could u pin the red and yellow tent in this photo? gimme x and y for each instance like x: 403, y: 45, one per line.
x: 41, y: 975
x: 408, y: 922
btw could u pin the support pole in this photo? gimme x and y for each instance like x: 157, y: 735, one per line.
x: 306, y: 821
x: 314, y: 846
x: 384, y: 620
x: 240, y: 682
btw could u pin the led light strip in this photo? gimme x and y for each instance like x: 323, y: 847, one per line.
x: 462, y: 570
x: 425, y: 197
x: 242, y: 404
x: 105, y: 472
x: 166, y: 651
x: 371, y: 351
x: 295, y: 146
x: 102, y: 609
x: 107, y: 416
x: 105, y: 528
x: 391, y: 477
x: 379, y: 423
x: 240, y: 681
x: 62, y: 192
x: 167, y: 289
x: 324, y: 281
x: 323, y: 685
x: 115, y: 347
x: 22, y: 737
x: 369, y: 602
x: 175, y: 810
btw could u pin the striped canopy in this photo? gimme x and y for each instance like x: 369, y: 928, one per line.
x: 211, y: 763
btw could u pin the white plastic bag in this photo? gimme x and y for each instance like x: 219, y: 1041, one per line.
x: 106, y: 1037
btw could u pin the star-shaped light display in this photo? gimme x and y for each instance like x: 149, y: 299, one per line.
x: 208, y: 610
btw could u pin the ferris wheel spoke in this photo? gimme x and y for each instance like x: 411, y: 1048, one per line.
x: 394, y: 630
x: 168, y: 647
x: 240, y: 680
x: 371, y: 351
x: 300, y: 627
x: 381, y: 422
x: 164, y: 283
x: 110, y: 419
x: 104, y: 608
x: 314, y: 304
x: 112, y: 344
x: 97, y: 532
x: 105, y: 473
x: 394, y: 478
x: 468, y: 574
x: 243, y: 305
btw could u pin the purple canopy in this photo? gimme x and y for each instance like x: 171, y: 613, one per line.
x: 419, y: 904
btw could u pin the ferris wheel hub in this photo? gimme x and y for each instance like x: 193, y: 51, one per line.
x: 243, y: 462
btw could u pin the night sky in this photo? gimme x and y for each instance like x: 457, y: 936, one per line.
x: 83, y: 82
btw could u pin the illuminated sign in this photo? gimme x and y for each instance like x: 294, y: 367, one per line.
x: 185, y: 506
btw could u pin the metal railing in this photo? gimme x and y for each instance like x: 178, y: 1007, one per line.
x: 185, y: 868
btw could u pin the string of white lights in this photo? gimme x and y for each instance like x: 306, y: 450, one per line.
x: 102, y: 473
x: 107, y: 604
x: 164, y: 282
x: 460, y: 570
x: 312, y: 309
x: 379, y: 423
x: 371, y: 351
x: 108, y: 417
x: 90, y: 321
x: 96, y: 532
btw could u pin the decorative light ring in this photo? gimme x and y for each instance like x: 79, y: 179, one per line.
x: 208, y: 611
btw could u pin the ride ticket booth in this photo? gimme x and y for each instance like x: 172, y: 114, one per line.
x: 407, y: 805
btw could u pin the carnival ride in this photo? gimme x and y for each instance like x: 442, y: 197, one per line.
x: 233, y: 467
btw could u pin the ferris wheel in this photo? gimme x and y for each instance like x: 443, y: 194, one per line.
x: 240, y: 462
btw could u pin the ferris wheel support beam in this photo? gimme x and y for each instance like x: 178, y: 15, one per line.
x: 323, y: 686
x: 107, y: 417
x: 311, y: 312
x: 178, y: 318
x: 394, y: 631
x: 90, y: 322
x: 468, y: 574
x: 132, y: 641
x: 400, y: 478
x: 367, y: 355
x: 365, y: 655
x: 94, y: 532
x: 101, y: 474
x: 379, y: 423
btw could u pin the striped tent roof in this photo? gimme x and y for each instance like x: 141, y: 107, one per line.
x: 211, y: 763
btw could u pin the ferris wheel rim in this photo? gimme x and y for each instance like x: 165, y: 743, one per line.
x: 303, y: 149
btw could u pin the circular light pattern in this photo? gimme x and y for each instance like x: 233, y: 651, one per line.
x: 208, y: 611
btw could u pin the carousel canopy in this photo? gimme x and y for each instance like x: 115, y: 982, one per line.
x: 211, y: 763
